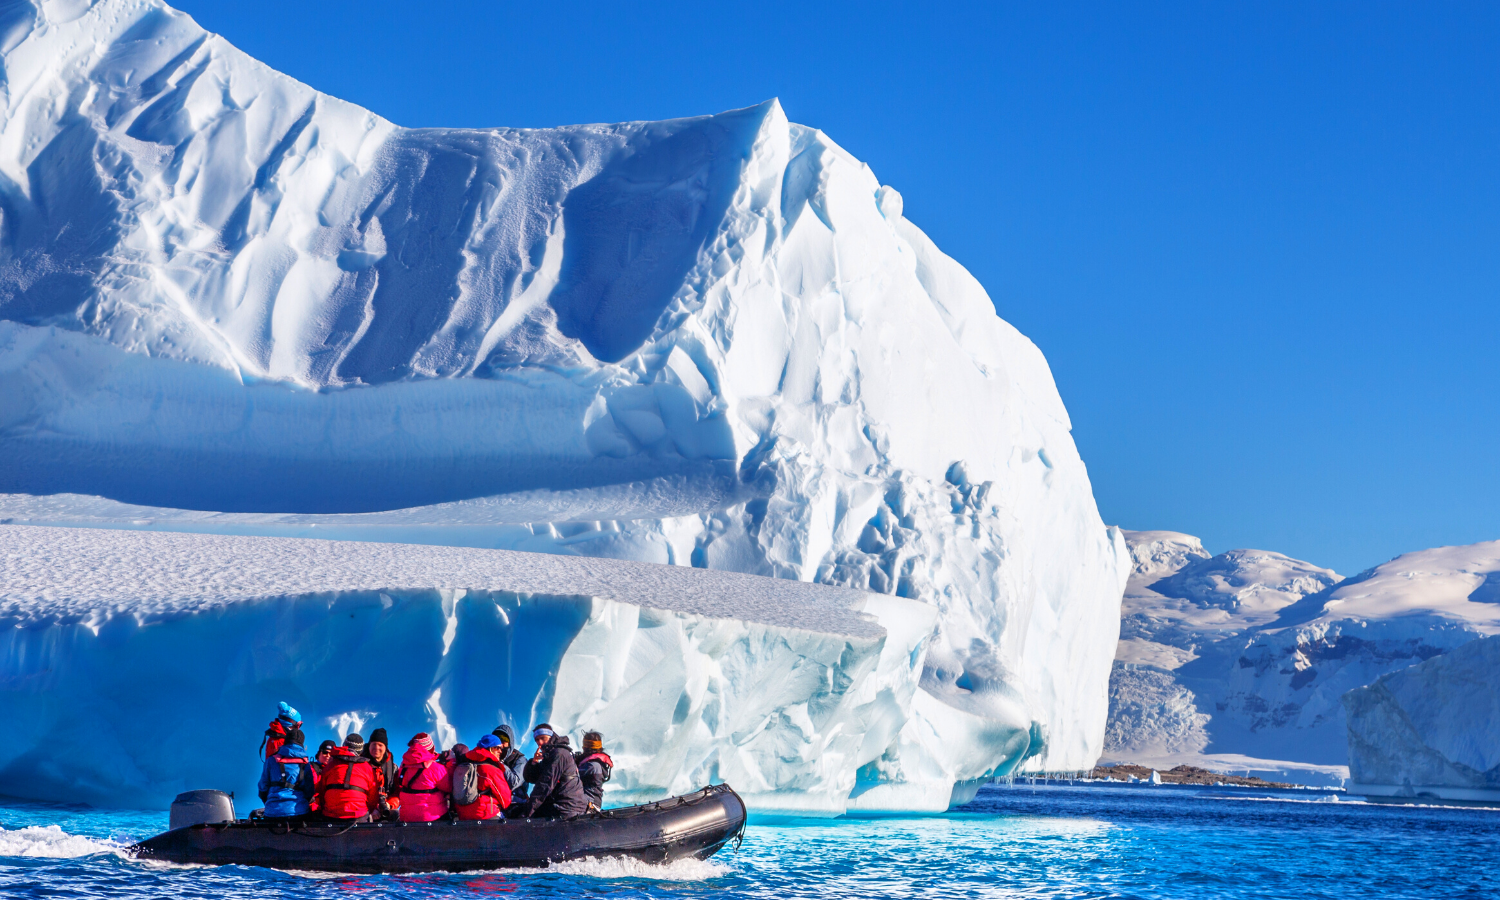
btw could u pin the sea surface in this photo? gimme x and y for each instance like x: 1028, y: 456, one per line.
x: 1012, y: 841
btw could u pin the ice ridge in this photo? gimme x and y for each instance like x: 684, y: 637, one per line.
x: 52, y: 575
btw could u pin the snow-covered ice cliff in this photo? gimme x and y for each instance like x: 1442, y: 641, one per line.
x: 231, y: 303
x: 1247, y: 653
x: 1431, y: 730
x: 163, y: 653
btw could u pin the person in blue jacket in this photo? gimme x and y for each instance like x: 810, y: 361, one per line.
x: 286, y: 779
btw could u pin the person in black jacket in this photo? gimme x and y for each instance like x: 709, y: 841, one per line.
x: 514, y: 762
x: 556, y: 792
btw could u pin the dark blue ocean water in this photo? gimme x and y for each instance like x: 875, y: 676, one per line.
x: 1154, y: 842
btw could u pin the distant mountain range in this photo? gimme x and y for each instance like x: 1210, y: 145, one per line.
x: 1239, y: 660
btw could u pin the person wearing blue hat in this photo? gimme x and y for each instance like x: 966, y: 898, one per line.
x: 287, y: 720
x: 479, y: 788
x: 287, y: 780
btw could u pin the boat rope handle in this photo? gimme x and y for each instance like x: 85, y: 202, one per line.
x: 346, y: 830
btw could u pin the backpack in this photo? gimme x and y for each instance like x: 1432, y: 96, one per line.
x: 466, y: 783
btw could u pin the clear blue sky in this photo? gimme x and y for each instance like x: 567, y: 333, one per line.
x: 1259, y: 243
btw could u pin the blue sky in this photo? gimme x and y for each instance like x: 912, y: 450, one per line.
x: 1258, y: 243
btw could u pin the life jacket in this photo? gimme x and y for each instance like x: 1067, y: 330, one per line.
x: 598, y: 756
x: 349, y: 786
x: 287, y: 781
x: 416, y: 769
x: 275, y: 737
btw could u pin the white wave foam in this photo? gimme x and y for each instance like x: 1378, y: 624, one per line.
x: 605, y: 867
x: 1347, y: 802
x: 50, y: 841
x: 624, y: 867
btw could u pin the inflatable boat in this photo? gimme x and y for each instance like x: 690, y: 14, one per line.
x: 205, y: 831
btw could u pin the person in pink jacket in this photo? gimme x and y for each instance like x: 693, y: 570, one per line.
x: 426, y: 783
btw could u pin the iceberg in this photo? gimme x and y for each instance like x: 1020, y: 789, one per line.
x: 232, y: 304
x: 163, y: 652
x: 1246, y: 655
x: 1430, y: 731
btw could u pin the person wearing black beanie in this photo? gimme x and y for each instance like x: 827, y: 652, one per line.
x: 320, y: 759
x: 378, y: 752
x: 349, y: 788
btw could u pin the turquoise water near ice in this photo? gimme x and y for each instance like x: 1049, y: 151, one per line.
x: 1013, y: 841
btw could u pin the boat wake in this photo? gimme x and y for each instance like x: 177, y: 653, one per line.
x: 612, y: 867
x: 605, y: 868
x: 51, y: 842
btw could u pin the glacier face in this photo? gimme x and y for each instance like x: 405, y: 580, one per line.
x: 1249, y: 653
x: 241, y: 305
x: 1430, y: 730
x: 141, y: 645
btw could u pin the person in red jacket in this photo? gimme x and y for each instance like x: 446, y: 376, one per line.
x: 489, y: 781
x: 349, y: 788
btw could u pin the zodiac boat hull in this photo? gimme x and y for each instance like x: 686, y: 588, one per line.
x: 693, y: 825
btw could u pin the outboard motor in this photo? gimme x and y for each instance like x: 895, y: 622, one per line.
x: 201, y: 808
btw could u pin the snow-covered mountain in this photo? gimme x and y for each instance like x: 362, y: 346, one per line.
x: 1246, y: 654
x: 1430, y: 730
x: 230, y: 303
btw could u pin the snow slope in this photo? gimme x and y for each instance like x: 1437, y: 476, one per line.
x: 140, y: 645
x: 1248, y: 653
x: 713, y: 342
x: 1430, y: 730
x: 1179, y: 604
x: 1179, y: 597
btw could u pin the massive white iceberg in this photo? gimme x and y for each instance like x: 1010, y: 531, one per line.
x: 1240, y: 660
x: 231, y: 303
x: 1430, y: 731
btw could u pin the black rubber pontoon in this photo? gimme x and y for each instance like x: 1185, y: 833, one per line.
x: 693, y: 825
